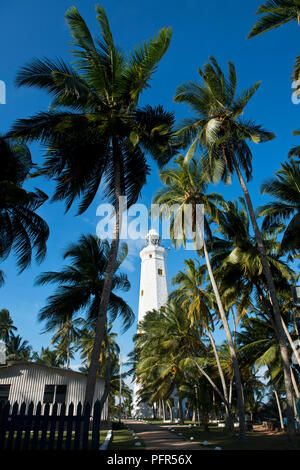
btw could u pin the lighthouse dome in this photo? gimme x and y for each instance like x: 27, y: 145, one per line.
x: 152, y: 238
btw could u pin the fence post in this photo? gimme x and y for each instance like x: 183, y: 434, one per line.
x: 4, y: 424
x: 12, y: 426
x: 44, y: 427
x: 69, y: 426
x: 86, y: 425
x: 96, y: 426
x: 36, y: 428
x: 28, y: 426
x: 20, y: 426
x: 77, y: 426
x: 52, y: 427
x: 61, y: 423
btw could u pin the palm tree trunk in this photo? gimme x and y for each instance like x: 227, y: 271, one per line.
x: 277, y: 316
x: 237, y: 374
x: 295, y: 323
x: 181, y: 415
x: 296, y: 389
x: 279, y: 408
x: 291, y: 341
x: 164, y: 409
x: 229, y: 417
x: 170, y: 411
x: 107, y: 374
x: 212, y: 383
x: 214, y: 403
x: 102, y: 313
x: 230, y: 390
x: 234, y: 326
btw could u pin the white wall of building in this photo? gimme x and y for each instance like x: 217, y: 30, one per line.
x: 28, y: 382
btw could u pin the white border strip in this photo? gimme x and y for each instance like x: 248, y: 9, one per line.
x: 106, y: 441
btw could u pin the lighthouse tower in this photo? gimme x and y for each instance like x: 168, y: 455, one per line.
x: 153, y: 295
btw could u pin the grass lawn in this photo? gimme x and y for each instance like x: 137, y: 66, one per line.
x: 257, y: 440
x: 103, y: 434
x: 123, y: 440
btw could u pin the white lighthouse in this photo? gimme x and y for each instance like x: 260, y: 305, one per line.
x: 153, y: 294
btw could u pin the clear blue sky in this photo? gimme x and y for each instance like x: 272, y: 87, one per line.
x: 200, y: 29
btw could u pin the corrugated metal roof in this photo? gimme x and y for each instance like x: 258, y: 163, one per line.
x: 39, y: 364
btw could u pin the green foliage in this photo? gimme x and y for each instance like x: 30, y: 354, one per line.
x: 21, y: 229
x: 275, y: 13
x: 80, y: 286
x: 219, y: 126
x: 94, y: 114
x: 7, y: 327
x: 285, y: 189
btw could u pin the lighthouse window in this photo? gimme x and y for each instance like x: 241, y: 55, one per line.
x: 142, y: 293
x: 160, y: 272
x: 150, y: 256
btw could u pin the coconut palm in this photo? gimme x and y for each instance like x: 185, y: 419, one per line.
x: 191, y: 294
x: 285, y: 188
x: 259, y: 344
x: 156, y: 367
x: 80, y: 287
x: 85, y: 345
x: 275, y: 13
x: 17, y: 349
x: 22, y: 230
x: 108, y: 365
x: 95, y: 118
x: 185, y: 185
x: 220, y: 129
x: 169, y: 348
x: 65, y: 337
x: 240, y: 272
x: 237, y: 262
x: 6, y: 325
x: 48, y: 357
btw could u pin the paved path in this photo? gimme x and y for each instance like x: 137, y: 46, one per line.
x: 158, y: 437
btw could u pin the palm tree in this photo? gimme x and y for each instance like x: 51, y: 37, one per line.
x: 80, y: 288
x: 21, y: 229
x: 259, y: 344
x: 274, y: 14
x: 220, y: 129
x: 48, y: 357
x: 85, y: 345
x: 17, y: 349
x: 168, y: 349
x: 285, y: 188
x: 65, y: 337
x: 191, y: 294
x: 187, y: 184
x: 99, y: 121
x: 6, y: 325
x: 239, y: 268
x: 237, y: 261
x: 108, y: 364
